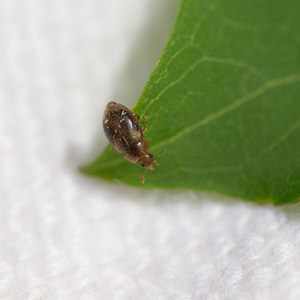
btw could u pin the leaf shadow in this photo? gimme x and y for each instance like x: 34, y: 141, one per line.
x: 292, y: 211
x: 146, y: 50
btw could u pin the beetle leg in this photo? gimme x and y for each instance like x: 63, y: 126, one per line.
x: 137, y: 116
x: 144, y: 122
x: 143, y: 177
x: 112, y: 148
x: 148, y: 140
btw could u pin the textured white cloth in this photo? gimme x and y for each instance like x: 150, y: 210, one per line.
x: 66, y: 236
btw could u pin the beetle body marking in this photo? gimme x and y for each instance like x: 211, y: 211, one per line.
x: 125, y: 133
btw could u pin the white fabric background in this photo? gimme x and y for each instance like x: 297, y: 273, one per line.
x: 66, y: 236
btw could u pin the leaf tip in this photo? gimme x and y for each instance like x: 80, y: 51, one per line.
x: 86, y: 169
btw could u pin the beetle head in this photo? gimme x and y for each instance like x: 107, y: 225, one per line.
x: 147, y: 161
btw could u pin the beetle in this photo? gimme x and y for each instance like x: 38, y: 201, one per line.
x: 123, y: 130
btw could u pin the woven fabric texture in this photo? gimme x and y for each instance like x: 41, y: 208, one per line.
x: 66, y: 236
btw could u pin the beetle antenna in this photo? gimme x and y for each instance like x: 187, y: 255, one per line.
x: 154, y: 159
x: 161, y: 152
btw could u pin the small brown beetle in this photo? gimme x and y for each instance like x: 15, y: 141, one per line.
x: 124, y: 132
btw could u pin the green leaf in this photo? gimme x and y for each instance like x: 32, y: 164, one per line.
x: 223, y: 100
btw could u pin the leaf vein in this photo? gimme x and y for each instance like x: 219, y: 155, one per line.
x: 232, y: 62
x: 241, y: 166
x: 265, y: 87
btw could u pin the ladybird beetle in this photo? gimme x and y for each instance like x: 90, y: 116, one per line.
x: 125, y: 133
